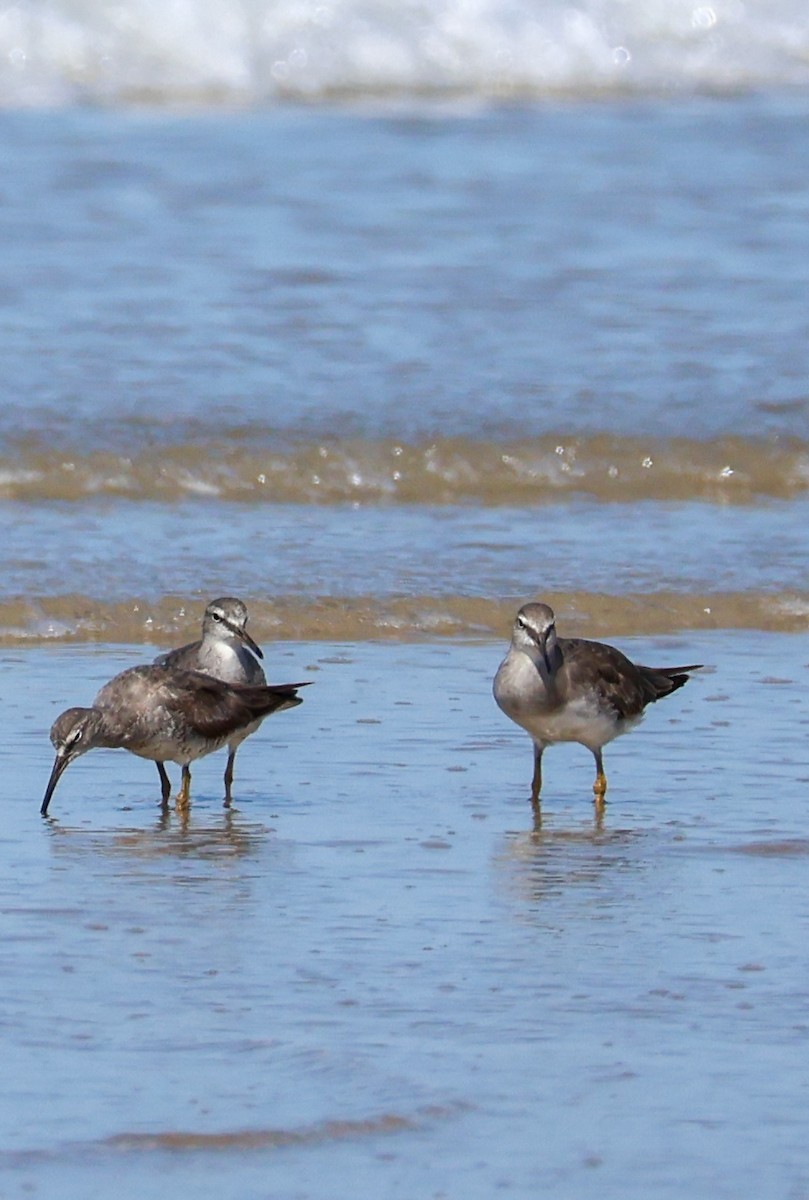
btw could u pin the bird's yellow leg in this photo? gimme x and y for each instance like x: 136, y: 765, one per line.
x: 184, y: 794
x: 600, y: 784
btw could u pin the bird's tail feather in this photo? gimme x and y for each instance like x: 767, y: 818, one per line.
x: 271, y: 697
x: 666, y: 680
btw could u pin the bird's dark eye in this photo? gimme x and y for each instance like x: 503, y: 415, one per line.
x: 216, y: 616
x: 521, y: 622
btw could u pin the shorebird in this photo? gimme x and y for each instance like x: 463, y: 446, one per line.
x: 164, y: 714
x: 573, y: 690
x: 226, y: 651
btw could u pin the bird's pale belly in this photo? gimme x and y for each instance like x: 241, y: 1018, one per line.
x: 580, y: 722
x: 172, y: 750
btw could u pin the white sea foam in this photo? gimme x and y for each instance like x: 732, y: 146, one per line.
x: 255, y: 51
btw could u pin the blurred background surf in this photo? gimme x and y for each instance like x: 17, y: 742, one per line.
x: 249, y: 51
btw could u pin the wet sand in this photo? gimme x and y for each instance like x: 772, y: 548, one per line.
x: 377, y: 976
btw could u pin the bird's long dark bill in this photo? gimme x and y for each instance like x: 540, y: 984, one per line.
x: 543, y: 650
x: 248, y: 641
x: 56, y: 775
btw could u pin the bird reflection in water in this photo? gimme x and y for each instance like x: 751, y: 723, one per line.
x: 176, y: 833
x: 550, y: 860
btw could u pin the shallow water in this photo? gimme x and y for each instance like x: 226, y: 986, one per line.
x: 384, y: 371
x: 377, y: 973
x: 76, y: 571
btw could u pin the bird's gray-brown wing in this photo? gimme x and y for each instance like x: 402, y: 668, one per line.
x: 625, y: 686
x: 610, y: 675
x: 184, y: 658
x: 215, y: 709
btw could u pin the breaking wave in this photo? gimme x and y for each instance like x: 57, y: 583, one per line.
x: 249, y: 52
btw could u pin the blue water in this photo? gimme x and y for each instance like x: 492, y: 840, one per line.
x: 241, y: 304
x: 638, y: 268
x: 378, y: 929
x: 376, y: 975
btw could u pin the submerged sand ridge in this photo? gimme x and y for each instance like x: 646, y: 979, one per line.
x: 80, y: 619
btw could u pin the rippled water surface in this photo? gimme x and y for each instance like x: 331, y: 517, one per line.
x: 385, y: 370
x: 334, y: 360
x: 377, y: 973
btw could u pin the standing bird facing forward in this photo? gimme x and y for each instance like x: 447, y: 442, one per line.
x: 226, y: 651
x: 164, y: 714
x: 573, y: 690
